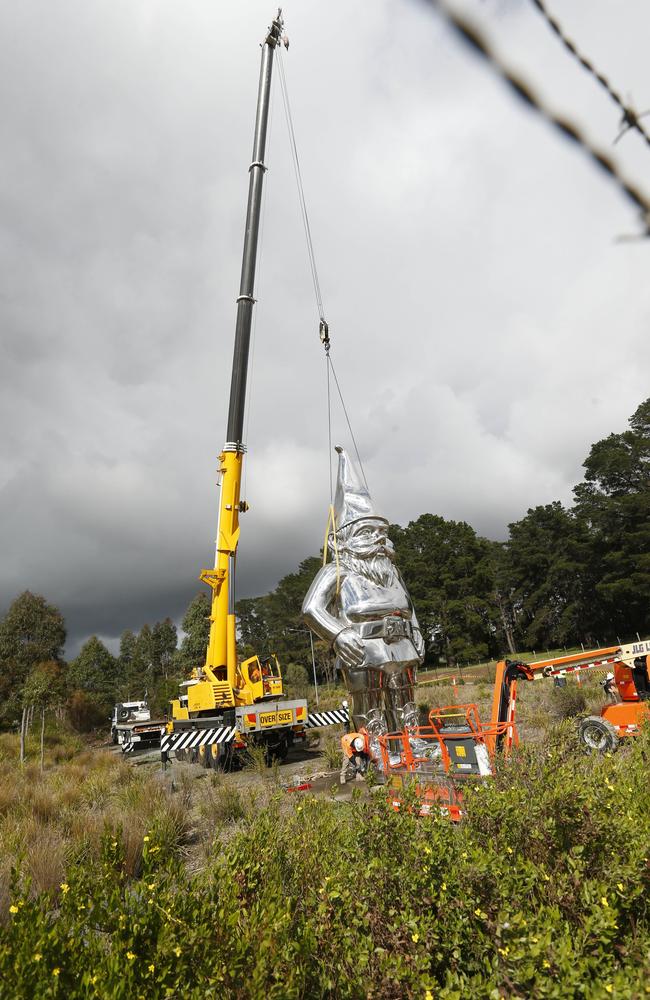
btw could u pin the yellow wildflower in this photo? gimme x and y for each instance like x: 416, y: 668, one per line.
x: 619, y: 885
x: 427, y: 849
x: 152, y: 968
x: 443, y: 887
x: 146, y: 838
x: 504, y: 951
x: 177, y: 952
x: 547, y: 965
x: 603, y: 900
x: 130, y: 956
x: 509, y: 850
x: 152, y: 885
x: 609, y: 988
x: 415, y: 937
x: 56, y: 972
x: 428, y: 995
x: 65, y: 888
x: 153, y: 850
x: 37, y: 956
x: 13, y: 909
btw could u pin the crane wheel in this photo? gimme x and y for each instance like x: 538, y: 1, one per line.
x: 598, y: 734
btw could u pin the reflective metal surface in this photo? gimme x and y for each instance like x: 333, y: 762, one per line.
x: 358, y: 603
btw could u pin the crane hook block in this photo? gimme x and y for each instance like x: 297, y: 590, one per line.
x: 324, y: 333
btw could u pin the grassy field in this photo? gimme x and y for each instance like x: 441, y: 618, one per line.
x: 118, y: 882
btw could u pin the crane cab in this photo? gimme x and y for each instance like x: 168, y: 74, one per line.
x: 258, y: 678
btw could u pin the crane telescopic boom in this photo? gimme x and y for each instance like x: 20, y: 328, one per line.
x: 221, y: 657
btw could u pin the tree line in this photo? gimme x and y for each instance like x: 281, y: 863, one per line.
x: 565, y: 576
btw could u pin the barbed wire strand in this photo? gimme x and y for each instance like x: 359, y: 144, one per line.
x: 474, y: 37
x: 630, y: 118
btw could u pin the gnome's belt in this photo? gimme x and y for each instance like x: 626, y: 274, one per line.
x: 390, y: 629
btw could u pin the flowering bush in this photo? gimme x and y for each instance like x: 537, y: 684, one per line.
x: 541, y: 892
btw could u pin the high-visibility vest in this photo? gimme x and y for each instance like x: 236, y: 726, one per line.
x: 348, y: 740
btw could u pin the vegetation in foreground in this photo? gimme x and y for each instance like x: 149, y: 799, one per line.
x: 118, y: 886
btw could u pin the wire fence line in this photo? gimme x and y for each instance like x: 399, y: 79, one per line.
x: 475, y: 38
x: 630, y: 118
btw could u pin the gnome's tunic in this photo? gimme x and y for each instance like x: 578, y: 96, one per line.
x: 362, y: 601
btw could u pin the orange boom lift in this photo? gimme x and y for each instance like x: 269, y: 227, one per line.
x: 630, y: 667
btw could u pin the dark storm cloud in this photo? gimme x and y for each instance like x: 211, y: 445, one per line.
x: 486, y: 327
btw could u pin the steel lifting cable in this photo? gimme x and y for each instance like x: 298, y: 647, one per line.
x: 323, y: 326
x: 301, y: 193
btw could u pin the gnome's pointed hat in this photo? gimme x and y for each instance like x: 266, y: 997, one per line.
x: 352, y: 501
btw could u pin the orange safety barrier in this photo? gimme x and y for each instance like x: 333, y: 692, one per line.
x: 409, y: 757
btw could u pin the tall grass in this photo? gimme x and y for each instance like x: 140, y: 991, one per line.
x: 54, y: 820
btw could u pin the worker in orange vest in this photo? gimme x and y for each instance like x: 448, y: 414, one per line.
x: 355, y: 756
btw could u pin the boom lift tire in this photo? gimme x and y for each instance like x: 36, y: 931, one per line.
x: 598, y: 734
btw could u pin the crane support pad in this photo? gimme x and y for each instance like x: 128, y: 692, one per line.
x: 316, y: 719
x: 188, y: 739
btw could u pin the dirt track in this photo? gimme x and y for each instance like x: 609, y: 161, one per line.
x: 304, y: 771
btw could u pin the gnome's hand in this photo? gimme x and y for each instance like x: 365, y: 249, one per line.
x: 350, y: 648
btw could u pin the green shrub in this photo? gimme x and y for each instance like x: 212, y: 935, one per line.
x: 332, y: 752
x: 223, y: 804
x: 543, y: 891
x: 295, y: 675
x: 86, y: 712
x: 567, y: 702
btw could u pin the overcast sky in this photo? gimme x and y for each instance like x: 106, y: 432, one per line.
x: 487, y: 327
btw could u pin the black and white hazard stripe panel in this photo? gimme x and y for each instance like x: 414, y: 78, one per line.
x: 327, y: 718
x: 190, y: 738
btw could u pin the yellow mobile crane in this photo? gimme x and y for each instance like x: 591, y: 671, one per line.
x: 227, y: 703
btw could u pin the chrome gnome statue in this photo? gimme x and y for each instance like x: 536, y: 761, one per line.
x: 358, y: 603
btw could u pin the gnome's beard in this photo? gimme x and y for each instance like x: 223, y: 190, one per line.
x: 379, y: 569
